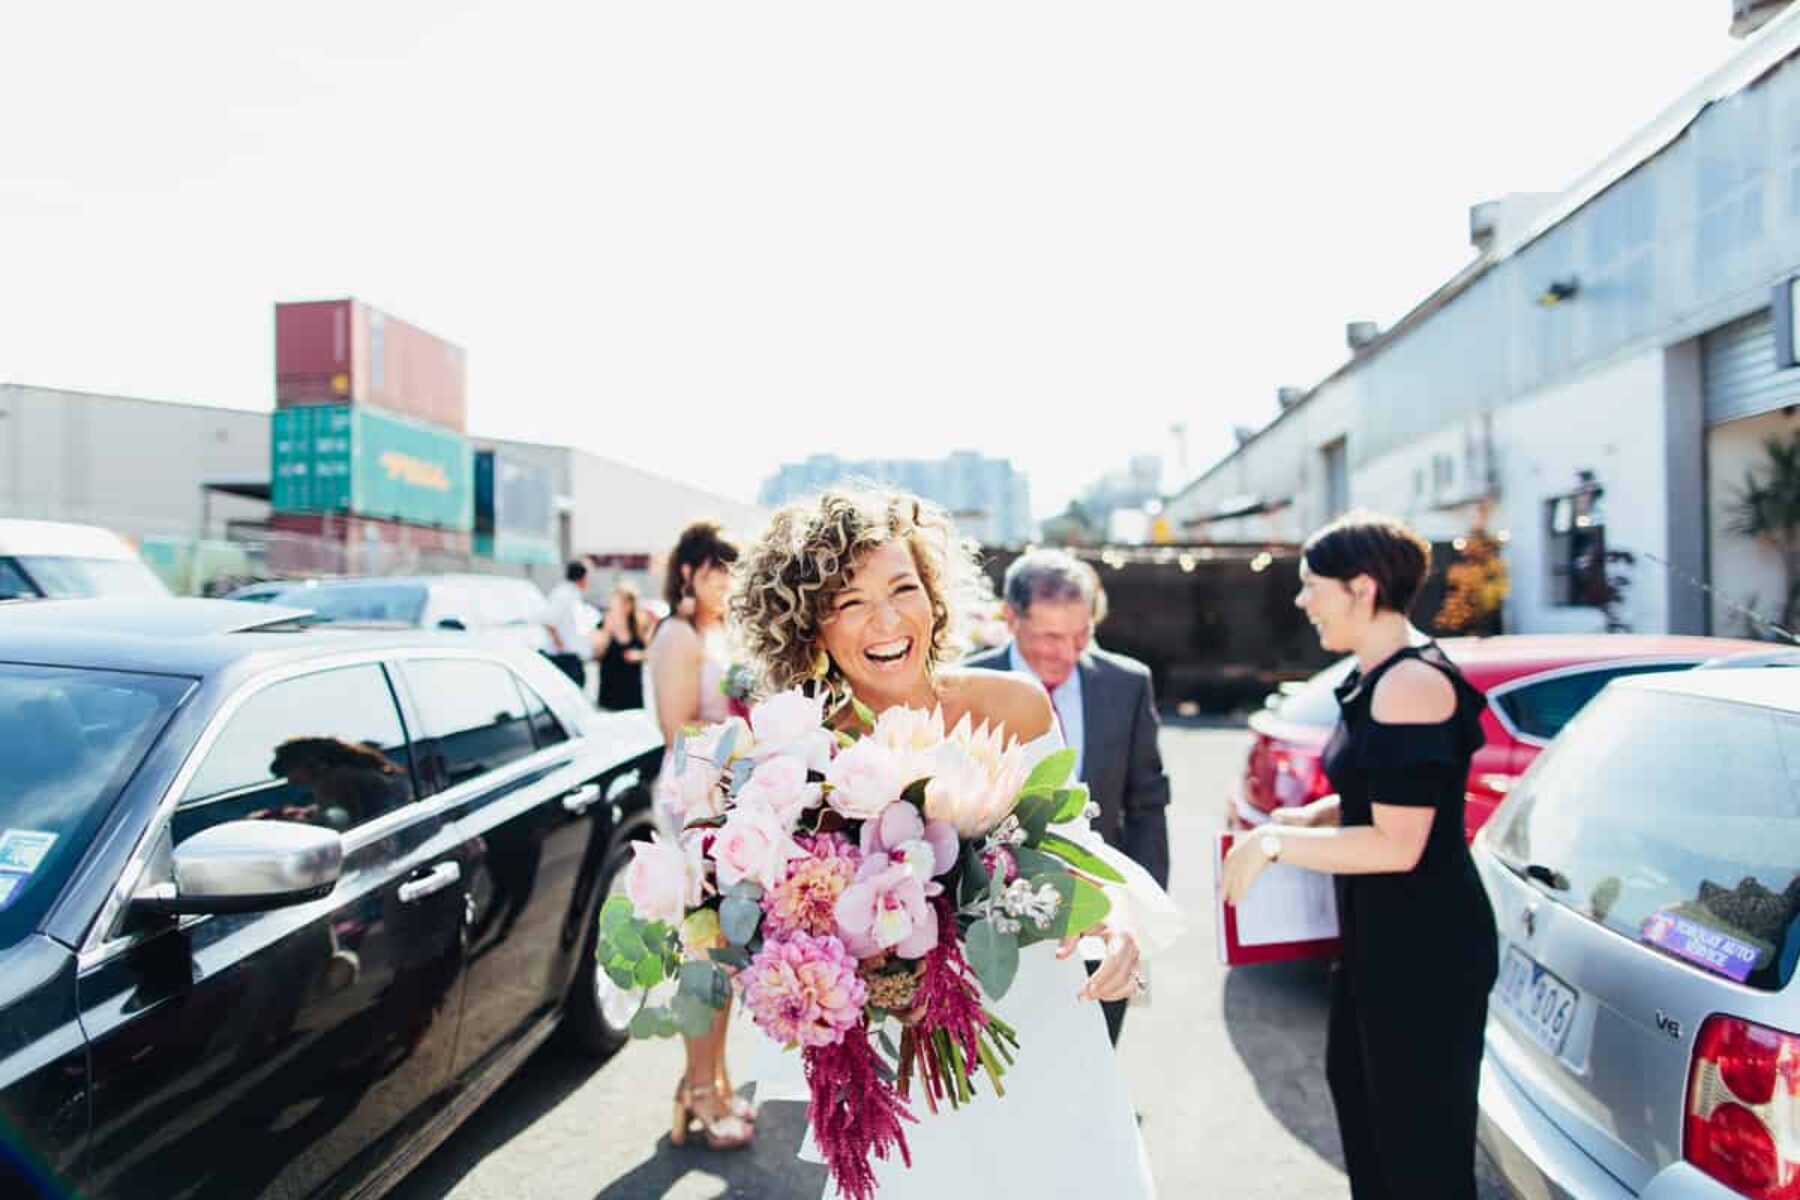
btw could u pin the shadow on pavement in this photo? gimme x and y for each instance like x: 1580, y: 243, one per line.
x: 1275, y: 1015
x: 769, y: 1168
x: 545, y: 1081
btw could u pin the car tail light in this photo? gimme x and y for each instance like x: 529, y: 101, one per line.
x: 1743, y: 1110
x: 1299, y: 778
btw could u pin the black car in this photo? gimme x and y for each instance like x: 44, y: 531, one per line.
x: 280, y: 905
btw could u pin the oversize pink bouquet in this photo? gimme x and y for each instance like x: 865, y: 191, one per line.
x: 854, y: 886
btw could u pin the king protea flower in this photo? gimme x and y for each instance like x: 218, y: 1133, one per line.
x: 976, y: 775
x: 913, y: 734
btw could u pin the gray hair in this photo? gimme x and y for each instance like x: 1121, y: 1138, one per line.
x: 1052, y: 576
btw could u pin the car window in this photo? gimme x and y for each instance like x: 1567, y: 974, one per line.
x: 1676, y: 822
x: 399, y: 604
x: 1540, y: 710
x: 79, y: 578
x: 471, y: 718
x: 545, y: 728
x: 12, y: 581
x: 323, y: 749
x: 72, y: 739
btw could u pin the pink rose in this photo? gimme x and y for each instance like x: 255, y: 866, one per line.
x: 864, y: 780
x: 780, y: 784
x: 886, y: 909
x: 663, y: 880
x: 755, y: 844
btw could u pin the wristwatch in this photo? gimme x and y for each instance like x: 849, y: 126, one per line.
x: 1271, y: 847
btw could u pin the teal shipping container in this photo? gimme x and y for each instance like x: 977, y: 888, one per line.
x: 344, y: 458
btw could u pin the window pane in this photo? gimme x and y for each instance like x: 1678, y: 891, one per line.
x: 545, y: 728
x: 79, y: 578
x: 12, y: 584
x: 400, y: 605
x: 1542, y: 709
x: 471, y: 716
x: 325, y: 749
x: 1696, y: 854
x: 71, y: 739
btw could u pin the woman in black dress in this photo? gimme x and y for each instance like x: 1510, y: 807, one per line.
x: 620, y: 644
x: 1409, y: 999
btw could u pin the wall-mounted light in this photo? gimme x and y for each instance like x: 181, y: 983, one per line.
x: 1560, y: 291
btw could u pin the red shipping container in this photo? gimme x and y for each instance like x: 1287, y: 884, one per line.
x: 338, y: 351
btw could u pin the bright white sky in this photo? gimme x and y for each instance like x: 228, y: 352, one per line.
x: 711, y: 237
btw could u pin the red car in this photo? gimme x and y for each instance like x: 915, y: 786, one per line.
x: 1534, y: 685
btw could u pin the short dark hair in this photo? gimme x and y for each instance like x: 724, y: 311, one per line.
x: 1053, y: 576
x: 1383, y: 548
x: 702, y: 544
x: 576, y: 571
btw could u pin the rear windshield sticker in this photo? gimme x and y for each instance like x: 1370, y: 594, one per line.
x: 1687, y: 938
x: 24, y: 849
x: 11, y: 884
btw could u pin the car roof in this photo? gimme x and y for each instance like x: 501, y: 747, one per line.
x: 61, y: 539
x: 1779, y: 690
x: 188, y: 637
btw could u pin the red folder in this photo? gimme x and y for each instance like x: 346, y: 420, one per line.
x: 1290, y: 914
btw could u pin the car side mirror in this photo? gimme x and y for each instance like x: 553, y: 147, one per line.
x: 452, y: 623
x: 248, y: 866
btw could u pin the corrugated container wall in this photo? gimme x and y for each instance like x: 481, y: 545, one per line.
x: 343, y: 351
x: 351, y: 459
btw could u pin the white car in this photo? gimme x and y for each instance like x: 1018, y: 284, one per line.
x: 480, y: 603
x: 57, y: 560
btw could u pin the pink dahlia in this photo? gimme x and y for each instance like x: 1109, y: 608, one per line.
x: 806, y: 900
x: 804, y: 990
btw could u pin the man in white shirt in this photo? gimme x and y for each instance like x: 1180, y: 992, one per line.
x: 1104, y: 703
x: 571, y: 636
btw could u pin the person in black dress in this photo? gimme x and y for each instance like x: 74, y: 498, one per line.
x: 620, y: 644
x: 1409, y: 998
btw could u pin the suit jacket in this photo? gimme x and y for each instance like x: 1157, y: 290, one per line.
x: 1120, y: 757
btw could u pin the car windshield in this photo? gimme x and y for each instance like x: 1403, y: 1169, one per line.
x: 401, y: 604
x: 1695, y: 854
x: 72, y: 738
x: 80, y: 578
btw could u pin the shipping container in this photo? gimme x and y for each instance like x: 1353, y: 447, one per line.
x: 346, y: 458
x: 515, y: 509
x: 345, y: 352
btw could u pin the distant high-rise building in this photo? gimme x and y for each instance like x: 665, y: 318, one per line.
x: 990, y: 499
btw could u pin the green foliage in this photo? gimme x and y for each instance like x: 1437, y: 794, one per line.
x: 994, y: 955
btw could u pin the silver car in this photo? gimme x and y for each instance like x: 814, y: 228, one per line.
x: 1644, y: 1039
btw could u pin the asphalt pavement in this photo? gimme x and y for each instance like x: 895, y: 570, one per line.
x: 1226, y: 1068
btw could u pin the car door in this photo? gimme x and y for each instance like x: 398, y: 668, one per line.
x: 283, y: 1052
x: 513, y: 783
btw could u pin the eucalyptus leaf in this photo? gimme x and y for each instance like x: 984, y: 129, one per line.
x: 706, y: 982
x: 744, y: 889
x: 693, y: 1017
x: 1033, y: 863
x: 1052, y: 772
x: 649, y: 972
x: 1079, y: 857
x: 616, y: 913
x: 1034, y: 813
x: 1063, y: 883
x: 623, y: 974
x: 628, y: 942
x: 739, y: 919
x: 1084, y: 909
x: 975, y: 878
x: 994, y: 955
x: 727, y: 743
x: 914, y: 792
x: 734, y: 957
x: 741, y: 771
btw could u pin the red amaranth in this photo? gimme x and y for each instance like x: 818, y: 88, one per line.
x: 856, y: 1114
x: 947, y: 998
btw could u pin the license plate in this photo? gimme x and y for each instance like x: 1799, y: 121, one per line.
x: 1538, y: 1000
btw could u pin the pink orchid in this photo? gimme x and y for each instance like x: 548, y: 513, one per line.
x: 887, y: 909
x: 928, y: 848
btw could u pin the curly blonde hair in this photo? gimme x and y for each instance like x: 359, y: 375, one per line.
x: 787, y: 580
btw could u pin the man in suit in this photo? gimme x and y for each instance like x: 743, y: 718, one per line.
x: 1104, y: 704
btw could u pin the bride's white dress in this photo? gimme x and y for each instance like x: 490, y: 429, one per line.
x: 1066, y: 1125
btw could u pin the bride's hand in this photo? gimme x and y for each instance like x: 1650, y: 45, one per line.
x: 1116, y: 978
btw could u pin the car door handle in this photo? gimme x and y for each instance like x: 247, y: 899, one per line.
x: 581, y: 799
x: 443, y: 875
